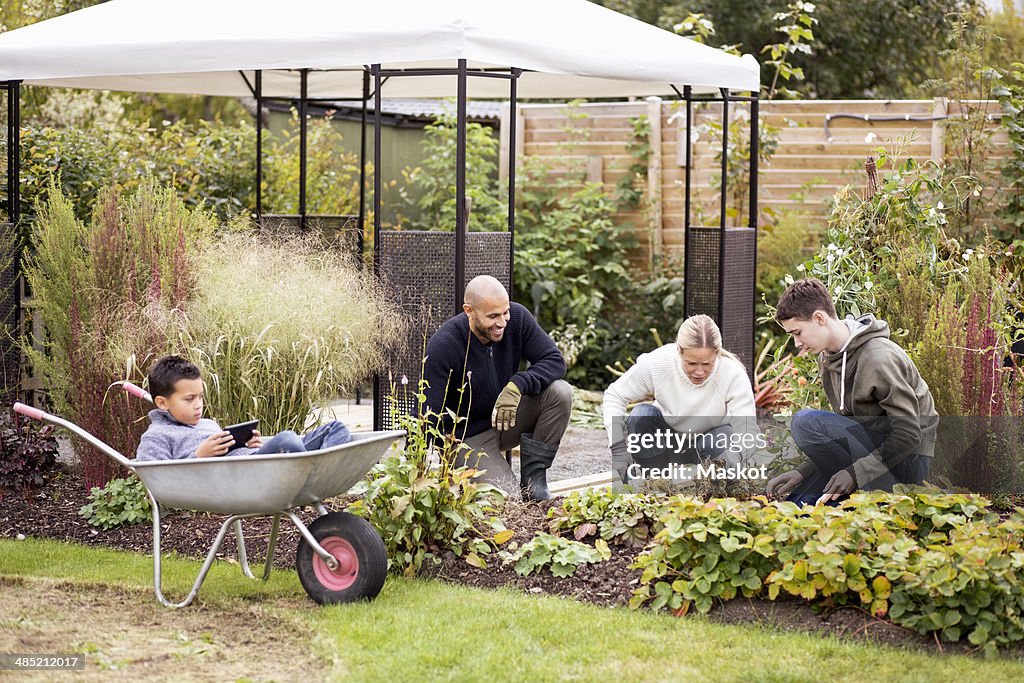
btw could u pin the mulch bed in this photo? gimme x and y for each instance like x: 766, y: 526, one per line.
x: 52, y: 512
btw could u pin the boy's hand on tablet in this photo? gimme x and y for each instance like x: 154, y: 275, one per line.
x: 214, y: 446
x: 255, y: 441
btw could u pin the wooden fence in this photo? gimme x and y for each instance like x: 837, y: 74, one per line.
x: 821, y: 147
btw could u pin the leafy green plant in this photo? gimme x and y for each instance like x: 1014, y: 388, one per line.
x: 422, y: 510
x: 624, y: 519
x: 431, y: 187
x: 970, y: 85
x: 560, y: 555
x: 629, y: 190
x: 796, y: 24
x: 1011, y: 101
x: 28, y: 453
x: 208, y: 164
x: 782, y: 245
x: 942, y: 564
x: 332, y: 174
x: 888, y: 253
x: 705, y: 551
x: 120, y: 502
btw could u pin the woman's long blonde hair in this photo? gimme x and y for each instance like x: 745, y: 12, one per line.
x: 701, y: 332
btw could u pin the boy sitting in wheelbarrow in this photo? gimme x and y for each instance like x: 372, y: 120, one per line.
x: 178, y: 430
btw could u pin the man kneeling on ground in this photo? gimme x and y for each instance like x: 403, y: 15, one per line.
x: 480, y: 351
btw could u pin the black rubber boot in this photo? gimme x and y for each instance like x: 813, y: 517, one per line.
x: 535, y: 457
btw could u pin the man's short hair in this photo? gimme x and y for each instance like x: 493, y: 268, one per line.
x: 167, y: 371
x: 802, y: 298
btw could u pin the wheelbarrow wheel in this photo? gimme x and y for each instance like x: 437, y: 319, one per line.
x: 359, y: 550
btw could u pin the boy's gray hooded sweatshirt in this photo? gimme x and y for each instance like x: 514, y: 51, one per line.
x: 874, y: 380
x: 168, y: 439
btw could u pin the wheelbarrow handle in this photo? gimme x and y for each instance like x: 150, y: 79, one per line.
x: 29, y: 411
x: 37, y: 414
x: 137, y: 391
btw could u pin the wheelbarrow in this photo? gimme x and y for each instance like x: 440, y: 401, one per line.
x: 340, y: 558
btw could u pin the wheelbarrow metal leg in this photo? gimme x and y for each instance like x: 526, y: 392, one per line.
x: 316, y: 547
x: 210, y: 556
x: 271, y: 545
x: 243, y: 556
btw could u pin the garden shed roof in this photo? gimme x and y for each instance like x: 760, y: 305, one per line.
x: 569, y: 48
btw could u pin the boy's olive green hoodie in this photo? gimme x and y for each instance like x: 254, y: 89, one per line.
x: 873, y: 380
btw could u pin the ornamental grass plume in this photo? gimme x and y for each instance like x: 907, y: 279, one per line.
x: 280, y: 327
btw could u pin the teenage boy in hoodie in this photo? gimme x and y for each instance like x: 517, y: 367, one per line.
x: 882, y: 430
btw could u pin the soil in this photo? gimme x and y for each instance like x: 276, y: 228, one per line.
x: 52, y: 512
x: 125, y: 635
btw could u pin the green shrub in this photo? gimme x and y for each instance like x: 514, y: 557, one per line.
x: 121, y: 502
x: 781, y: 247
x: 428, y: 192
x: 625, y: 519
x: 332, y: 175
x: 939, y: 564
x: 208, y: 164
x: 560, y: 555
x: 28, y: 453
x: 422, y: 510
x: 890, y: 254
x: 1011, y: 101
x: 705, y: 551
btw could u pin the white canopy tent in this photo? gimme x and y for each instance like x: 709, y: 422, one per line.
x: 569, y: 48
x: 307, y: 50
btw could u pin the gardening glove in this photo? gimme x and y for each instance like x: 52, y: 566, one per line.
x: 503, y: 417
x: 621, y: 460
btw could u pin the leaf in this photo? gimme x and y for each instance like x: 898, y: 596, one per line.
x: 475, y: 560
x: 503, y: 537
x: 584, y: 530
x: 978, y: 636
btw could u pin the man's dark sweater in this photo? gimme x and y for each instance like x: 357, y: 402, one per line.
x: 490, y: 366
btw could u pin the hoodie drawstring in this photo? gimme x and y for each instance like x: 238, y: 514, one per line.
x: 842, y: 385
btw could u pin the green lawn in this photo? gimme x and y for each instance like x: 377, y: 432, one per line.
x: 432, y: 631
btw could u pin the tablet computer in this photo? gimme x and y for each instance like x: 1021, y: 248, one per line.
x: 241, y: 432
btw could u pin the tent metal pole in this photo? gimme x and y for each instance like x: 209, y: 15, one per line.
x: 14, y: 152
x: 14, y: 198
x: 755, y: 151
x: 687, y: 253
x: 512, y: 183
x: 378, y: 409
x: 303, y: 103
x: 722, y: 206
x: 259, y: 146
x: 362, y: 167
x: 460, y: 188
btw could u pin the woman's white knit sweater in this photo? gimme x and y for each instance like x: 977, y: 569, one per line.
x: 658, y: 376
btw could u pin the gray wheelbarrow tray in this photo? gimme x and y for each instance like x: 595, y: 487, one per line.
x: 244, y: 486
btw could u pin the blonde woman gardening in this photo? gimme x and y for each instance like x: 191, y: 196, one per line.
x: 690, y: 395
